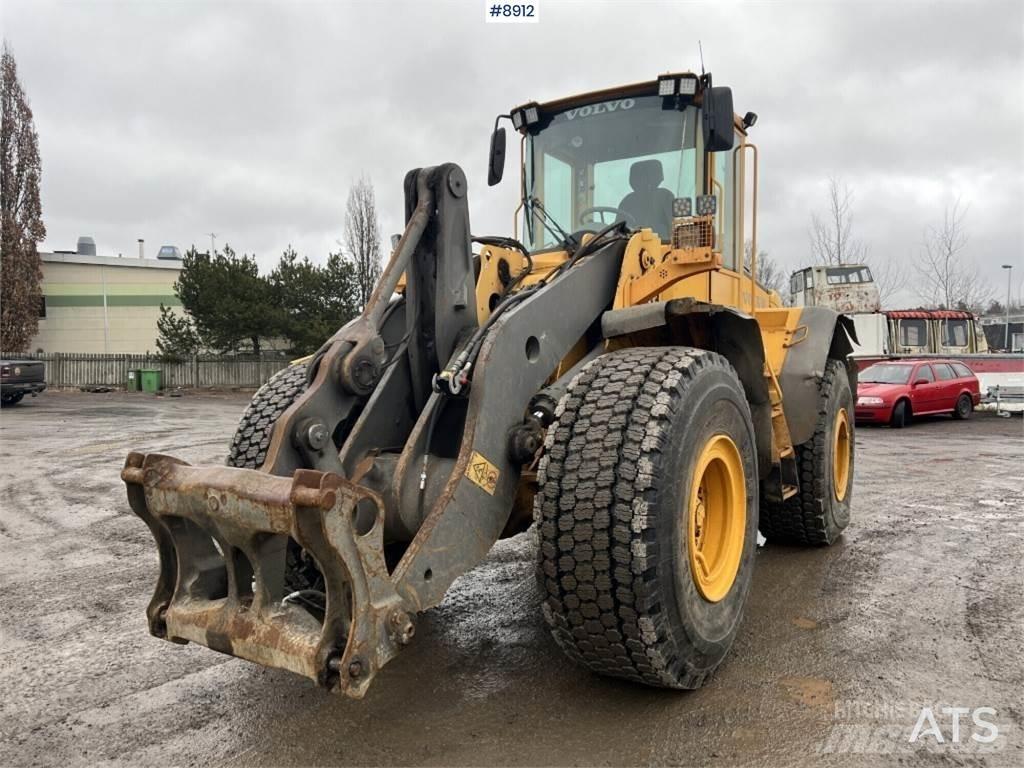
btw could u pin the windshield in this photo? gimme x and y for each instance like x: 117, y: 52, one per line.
x: 885, y: 374
x: 629, y: 157
x: 841, y: 275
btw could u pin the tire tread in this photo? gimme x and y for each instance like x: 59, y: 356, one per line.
x: 802, y: 519
x: 598, y: 562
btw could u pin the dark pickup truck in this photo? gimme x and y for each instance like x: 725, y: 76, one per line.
x: 19, y: 378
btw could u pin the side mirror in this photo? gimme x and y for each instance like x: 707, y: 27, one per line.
x: 718, y: 119
x: 918, y: 382
x: 496, y: 162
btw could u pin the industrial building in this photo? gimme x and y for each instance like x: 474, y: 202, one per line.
x: 103, y: 304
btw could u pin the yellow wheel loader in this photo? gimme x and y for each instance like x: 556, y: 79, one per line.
x: 613, y: 375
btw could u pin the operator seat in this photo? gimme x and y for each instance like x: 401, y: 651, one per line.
x: 649, y: 204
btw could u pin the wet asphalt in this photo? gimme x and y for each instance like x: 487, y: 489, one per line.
x: 920, y: 604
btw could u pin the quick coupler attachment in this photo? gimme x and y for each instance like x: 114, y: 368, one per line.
x: 223, y: 536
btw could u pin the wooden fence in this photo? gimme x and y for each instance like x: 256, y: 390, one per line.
x: 83, y: 370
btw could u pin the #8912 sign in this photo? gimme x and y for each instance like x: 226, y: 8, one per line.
x: 510, y: 13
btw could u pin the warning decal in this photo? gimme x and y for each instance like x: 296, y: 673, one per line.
x: 482, y: 472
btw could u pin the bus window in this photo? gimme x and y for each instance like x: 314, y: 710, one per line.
x: 954, y: 333
x: 913, y: 333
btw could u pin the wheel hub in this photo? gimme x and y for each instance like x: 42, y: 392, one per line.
x: 841, y: 455
x: 716, y: 518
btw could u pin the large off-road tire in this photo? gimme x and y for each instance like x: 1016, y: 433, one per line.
x: 249, y: 449
x: 14, y: 399
x: 252, y: 438
x: 820, y: 510
x: 649, y: 471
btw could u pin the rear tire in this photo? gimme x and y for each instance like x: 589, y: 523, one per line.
x: 964, y: 407
x: 12, y: 399
x: 648, y: 469
x: 249, y: 451
x: 900, y: 415
x: 820, y: 510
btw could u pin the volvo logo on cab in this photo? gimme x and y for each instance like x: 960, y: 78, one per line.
x: 600, y: 109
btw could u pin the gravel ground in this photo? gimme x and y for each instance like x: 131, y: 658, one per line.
x: 918, y: 605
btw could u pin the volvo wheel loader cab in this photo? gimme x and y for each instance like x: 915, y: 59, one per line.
x: 614, y: 375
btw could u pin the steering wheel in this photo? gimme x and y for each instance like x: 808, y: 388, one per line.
x: 601, y: 210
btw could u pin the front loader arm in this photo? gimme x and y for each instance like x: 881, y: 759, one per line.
x: 521, y: 351
x: 373, y: 456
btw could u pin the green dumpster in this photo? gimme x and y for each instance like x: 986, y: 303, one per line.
x: 134, y: 383
x: 150, y: 379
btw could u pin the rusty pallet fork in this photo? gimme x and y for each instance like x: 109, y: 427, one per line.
x: 380, y: 448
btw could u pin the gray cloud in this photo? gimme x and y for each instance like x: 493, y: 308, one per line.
x: 171, y: 120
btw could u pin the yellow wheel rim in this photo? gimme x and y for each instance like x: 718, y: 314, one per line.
x: 716, y: 518
x: 841, y: 455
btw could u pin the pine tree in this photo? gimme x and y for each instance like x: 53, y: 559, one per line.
x: 227, y: 300
x: 312, y: 301
x: 177, y: 337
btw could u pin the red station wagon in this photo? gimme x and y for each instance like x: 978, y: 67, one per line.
x: 893, y: 391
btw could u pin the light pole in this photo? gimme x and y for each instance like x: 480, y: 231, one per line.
x: 1006, y: 335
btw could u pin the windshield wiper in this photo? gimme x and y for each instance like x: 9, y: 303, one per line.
x: 550, y: 224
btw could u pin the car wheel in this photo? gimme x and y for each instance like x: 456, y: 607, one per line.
x: 964, y: 407
x: 900, y: 415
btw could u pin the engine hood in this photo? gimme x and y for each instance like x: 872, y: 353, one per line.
x: 879, y: 390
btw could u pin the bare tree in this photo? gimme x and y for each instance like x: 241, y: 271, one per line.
x: 889, y: 275
x: 769, y: 274
x: 946, y: 277
x: 362, y: 237
x: 21, y: 213
x: 833, y: 242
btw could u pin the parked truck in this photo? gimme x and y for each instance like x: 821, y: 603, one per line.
x: 19, y: 378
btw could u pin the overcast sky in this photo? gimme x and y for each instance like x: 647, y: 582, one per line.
x: 168, y: 121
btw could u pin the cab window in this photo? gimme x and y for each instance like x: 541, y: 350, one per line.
x: 925, y: 372
x: 557, y: 190
x: 722, y: 187
x: 631, y: 158
x: 622, y: 181
x: 796, y: 283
